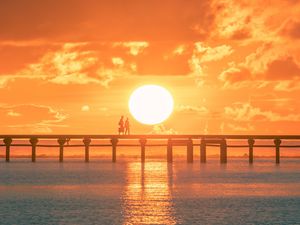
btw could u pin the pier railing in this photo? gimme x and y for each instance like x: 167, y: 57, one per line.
x: 141, y: 141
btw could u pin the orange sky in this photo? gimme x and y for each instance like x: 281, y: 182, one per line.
x: 233, y: 66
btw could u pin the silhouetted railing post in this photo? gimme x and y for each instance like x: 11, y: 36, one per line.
x: 7, y: 141
x: 33, y: 141
x: 190, y: 151
x: 223, y: 151
x: 251, y: 142
x: 170, y: 151
x: 114, y: 142
x: 86, y: 142
x: 203, y: 151
x: 143, y: 146
x: 277, y: 143
x: 61, y: 142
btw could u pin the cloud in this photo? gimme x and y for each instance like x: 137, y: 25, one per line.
x: 253, y: 21
x: 232, y: 19
x: 31, y: 118
x: 234, y: 74
x: 161, y: 129
x: 246, y: 112
x: 101, y: 63
x: 73, y: 63
x: 203, y: 54
x: 196, y: 67
x: 180, y: 49
x: 239, y: 77
x: 210, y: 54
x: 192, y: 109
x: 240, y: 127
x: 287, y: 85
x: 117, y: 61
x: 107, y: 75
x: 258, y: 61
x: 68, y: 65
x: 4, y: 80
x: 13, y: 114
x: 85, y: 108
x: 159, y: 59
x: 62, y: 66
x: 275, y: 58
x: 267, y: 64
x: 135, y: 47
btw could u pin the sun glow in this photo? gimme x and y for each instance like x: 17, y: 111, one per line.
x: 151, y: 104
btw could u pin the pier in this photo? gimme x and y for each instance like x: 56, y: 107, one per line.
x: 191, y: 142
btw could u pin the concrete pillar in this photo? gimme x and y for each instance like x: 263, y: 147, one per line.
x: 277, y: 143
x: 61, y: 142
x: 7, y: 141
x: 86, y: 141
x: 190, y: 152
x: 251, y: 142
x: 203, y: 151
x: 114, y: 142
x: 223, y: 151
x: 170, y: 151
x: 143, y: 142
x: 33, y: 141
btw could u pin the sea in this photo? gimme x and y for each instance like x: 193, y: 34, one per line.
x: 154, y: 192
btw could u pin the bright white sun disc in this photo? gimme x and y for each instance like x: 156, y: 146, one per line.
x: 151, y: 104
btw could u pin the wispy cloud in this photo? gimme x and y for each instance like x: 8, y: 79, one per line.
x: 135, y: 47
x: 161, y: 129
x: 188, y: 109
x: 31, y: 118
x: 247, y: 112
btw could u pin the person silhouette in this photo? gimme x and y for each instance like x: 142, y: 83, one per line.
x: 127, y: 126
x: 121, y: 125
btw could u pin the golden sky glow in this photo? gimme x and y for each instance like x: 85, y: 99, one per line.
x: 70, y: 66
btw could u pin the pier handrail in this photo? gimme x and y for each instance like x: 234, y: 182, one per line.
x: 62, y: 140
x: 149, y: 136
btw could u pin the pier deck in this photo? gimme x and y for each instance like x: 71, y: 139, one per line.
x: 141, y: 141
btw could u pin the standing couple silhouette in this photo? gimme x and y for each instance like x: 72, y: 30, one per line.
x: 124, y: 128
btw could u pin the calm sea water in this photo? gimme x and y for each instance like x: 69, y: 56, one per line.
x: 128, y: 192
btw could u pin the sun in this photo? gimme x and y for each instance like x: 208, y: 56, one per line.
x: 151, y: 104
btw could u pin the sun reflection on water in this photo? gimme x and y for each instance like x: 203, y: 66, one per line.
x: 147, y: 198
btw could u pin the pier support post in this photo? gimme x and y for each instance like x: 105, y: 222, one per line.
x: 203, y: 151
x: 7, y: 141
x: 61, y: 142
x: 223, y: 151
x: 251, y: 142
x: 190, y: 151
x: 170, y: 151
x: 86, y: 142
x: 114, y: 142
x: 277, y: 143
x: 143, y: 142
x: 33, y: 141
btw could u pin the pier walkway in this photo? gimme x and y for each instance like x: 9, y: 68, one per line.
x: 192, y: 142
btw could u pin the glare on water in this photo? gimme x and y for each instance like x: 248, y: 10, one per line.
x: 147, y: 196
